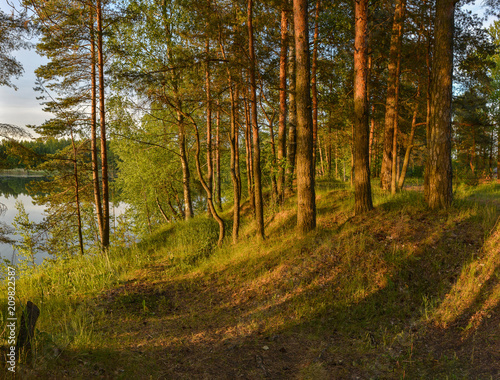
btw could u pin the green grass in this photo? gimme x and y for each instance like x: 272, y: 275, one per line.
x: 397, y: 293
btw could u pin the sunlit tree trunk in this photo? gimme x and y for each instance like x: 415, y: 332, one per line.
x: 218, y: 193
x: 234, y: 147
x: 391, y: 100
x: 93, y: 128
x: 372, y: 135
x: 77, y: 194
x: 282, y: 115
x: 394, y: 170
x: 314, y: 87
x: 249, y: 155
x: 362, y: 186
x: 438, y: 191
x: 259, y: 203
x: 234, y: 166
x: 209, y: 126
x: 102, y: 114
x: 205, y: 186
x: 292, y: 116
x: 498, y: 152
x: 186, y: 173
x: 410, y: 142
x: 306, y: 199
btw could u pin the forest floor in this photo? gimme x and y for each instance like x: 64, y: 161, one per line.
x: 402, y: 292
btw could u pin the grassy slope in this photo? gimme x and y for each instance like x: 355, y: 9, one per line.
x: 399, y: 293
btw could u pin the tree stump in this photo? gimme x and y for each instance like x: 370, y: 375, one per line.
x: 27, y: 327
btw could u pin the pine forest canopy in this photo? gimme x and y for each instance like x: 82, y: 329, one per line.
x: 205, y: 105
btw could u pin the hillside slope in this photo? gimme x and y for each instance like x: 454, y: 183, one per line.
x: 402, y: 292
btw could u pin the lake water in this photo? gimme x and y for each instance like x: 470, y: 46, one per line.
x: 13, y: 189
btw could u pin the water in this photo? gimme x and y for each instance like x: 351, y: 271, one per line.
x: 13, y: 189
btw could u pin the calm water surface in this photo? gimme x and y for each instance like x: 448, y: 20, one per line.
x: 13, y: 189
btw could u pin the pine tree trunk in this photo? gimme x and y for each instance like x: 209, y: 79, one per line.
x: 362, y: 185
x: 410, y: 143
x: 292, y: 117
x: 209, y: 126
x: 314, y: 87
x: 186, y: 174
x: 77, y: 194
x: 259, y: 203
x: 306, y: 198
x: 282, y: 116
x: 210, y: 202
x: 218, y: 197
x: 498, y: 152
x: 439, y: 186
x: 372, y: 134
x: 391, y: 100
x: 234, y: 164
x: 102, y: 114
x: 93, y: 129
x: 274, y: 184
x: 249, y: 156
x: 394, y: 170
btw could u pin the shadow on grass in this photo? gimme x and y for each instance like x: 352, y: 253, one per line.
x: 346, y: 301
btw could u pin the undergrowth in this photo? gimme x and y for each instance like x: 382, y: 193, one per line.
x: 377, y: 284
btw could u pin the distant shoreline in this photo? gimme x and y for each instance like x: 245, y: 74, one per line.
x: 22, y: 173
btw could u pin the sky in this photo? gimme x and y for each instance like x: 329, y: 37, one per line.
x: 21, y: 107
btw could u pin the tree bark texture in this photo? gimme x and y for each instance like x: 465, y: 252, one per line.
x: 209, y: 124
x: 392, y: 100
x: 102, y: 114
x: 249, y: 156
x: 306, y: 198
x: 233, y: 166
x: 362, y: 185
x: 282, y: 112
x: 394, y: 170
x: 314, y: 87
x: 234, y: 147
x: 218, y: 192
x: 207, y: 189
x: 498, y: 152
x: 438, y: 191
x: 292, y: 117
x: 409, y: 147
x: 93, y: 128
x: 259, y: 202
x: 186, y: 174
x: 77, y: 194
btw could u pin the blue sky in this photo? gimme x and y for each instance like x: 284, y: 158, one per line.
x: 21, y: 107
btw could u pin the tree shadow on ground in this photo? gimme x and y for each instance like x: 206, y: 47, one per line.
x: 354, y: 300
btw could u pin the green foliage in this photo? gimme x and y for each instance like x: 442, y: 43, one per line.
x: 30, y: 240
x: 193, y: 240
x: 12, y: 32
x: 29, y: 154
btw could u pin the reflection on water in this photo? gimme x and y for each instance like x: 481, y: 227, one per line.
x: 14, y: 189
x: 14, y: 186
